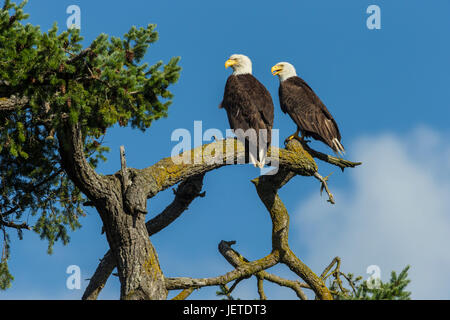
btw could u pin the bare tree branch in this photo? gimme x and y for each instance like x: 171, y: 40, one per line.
x: 242, y: 271
x: 165, y: 173
x: 123, y: 170
x: 101, y: 275
x: 236, y: 260
x: 294, y: 285
x: 324, y: 186
x: 267, y: 188
x: 339, y: 162
x: 184, y: 195
x: 325, y: 274
x: 12, y: 103
x: 184, y: 294
x: 14, y: 225
x: 260, y: 284
x: 336, y: 273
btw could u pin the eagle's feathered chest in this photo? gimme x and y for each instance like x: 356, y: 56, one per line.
x: 248, y: 103
x: 296, y: 96
x: 249, y: 107
x: 240, y: 92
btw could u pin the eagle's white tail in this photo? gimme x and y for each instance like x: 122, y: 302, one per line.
x: 256, y: 153
x: 254, y: 160
x: 262, y: 157
x: 340, y: 151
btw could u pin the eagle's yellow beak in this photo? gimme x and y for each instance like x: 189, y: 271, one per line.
x: 230, y: 62
x: 276, y: 69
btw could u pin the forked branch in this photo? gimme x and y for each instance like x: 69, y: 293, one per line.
x: 242, y: 271
x: 294, y: 160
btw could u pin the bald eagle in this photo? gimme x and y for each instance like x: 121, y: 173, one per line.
x: 306, y: 109
x: 249, y: 106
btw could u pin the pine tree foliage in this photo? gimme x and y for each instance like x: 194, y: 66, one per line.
x: 362, y: 290
x: 99, y: 86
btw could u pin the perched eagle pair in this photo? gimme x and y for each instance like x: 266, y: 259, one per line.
x: 250, y: 106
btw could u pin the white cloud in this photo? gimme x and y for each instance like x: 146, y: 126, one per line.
x: 394, y: 212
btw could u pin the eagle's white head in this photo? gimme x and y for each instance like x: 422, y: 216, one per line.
x: 284, y: 70
x: 241, y: 64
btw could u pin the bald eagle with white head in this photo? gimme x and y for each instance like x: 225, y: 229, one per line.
x: 306, y: 109
x: 249, y: 106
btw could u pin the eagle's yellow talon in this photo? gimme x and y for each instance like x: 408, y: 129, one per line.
x: 289, y: 139
x: 294, y: 136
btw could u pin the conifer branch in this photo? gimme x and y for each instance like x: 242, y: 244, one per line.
x: 13, y: 225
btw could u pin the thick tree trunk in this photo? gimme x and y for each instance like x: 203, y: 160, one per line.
x: 137, y: 262
x: 184, y: 195
x: 136, y: 259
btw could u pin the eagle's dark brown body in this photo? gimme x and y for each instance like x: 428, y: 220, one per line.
x: 248, y: 105
x: 309, y: 113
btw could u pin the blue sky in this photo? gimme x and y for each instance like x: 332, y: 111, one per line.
x: 386, y: 88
